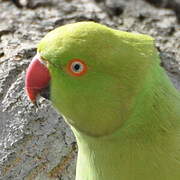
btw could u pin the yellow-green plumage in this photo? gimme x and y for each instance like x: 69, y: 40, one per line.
x: 124, y: 111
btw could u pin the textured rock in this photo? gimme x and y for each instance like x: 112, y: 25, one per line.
x: 35, y: 142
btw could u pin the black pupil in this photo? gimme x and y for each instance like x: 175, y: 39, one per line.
x: 76, y: 67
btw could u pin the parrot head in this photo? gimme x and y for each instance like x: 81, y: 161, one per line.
x: 94, y: 72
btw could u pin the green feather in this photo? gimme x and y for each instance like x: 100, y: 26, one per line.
x: 124, y: 111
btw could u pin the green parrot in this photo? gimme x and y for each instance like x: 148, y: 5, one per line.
x: 120, y: 104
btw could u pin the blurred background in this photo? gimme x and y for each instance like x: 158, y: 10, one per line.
x: 35, y: 143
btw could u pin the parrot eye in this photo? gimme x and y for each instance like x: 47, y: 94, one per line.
x: 76, y: 67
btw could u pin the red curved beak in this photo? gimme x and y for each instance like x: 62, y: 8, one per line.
x: 37, y: 78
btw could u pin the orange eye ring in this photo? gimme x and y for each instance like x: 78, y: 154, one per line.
x: 76, y: 67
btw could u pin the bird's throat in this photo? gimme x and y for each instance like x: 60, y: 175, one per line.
x: 142, y: 148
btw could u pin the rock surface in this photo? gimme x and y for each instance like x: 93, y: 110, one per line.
x: 35, y: 142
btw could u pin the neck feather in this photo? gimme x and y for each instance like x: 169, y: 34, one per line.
x: 145, y: 139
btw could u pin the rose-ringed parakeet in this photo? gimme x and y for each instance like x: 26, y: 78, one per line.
x: 117, y: 99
